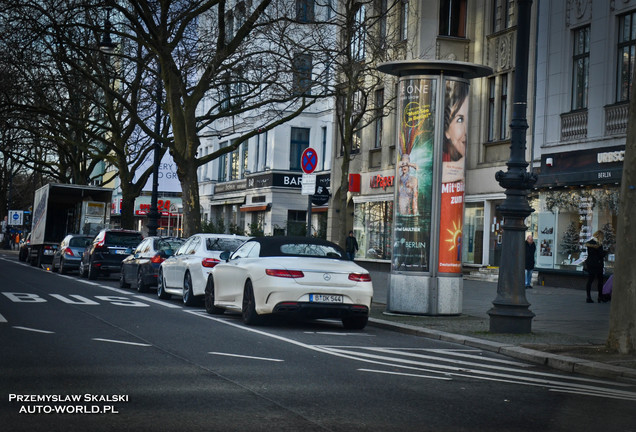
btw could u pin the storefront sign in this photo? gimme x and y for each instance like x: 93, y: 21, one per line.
x: 414, y: 173
x: 230, y: 186
x: 382, y: 182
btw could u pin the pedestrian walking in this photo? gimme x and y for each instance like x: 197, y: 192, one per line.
x: 531, y: 249
x: 595, y: 265
x: 351, y: 246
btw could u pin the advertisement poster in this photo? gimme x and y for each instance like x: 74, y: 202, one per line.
x: 414, y: 175
x: 453, y: 168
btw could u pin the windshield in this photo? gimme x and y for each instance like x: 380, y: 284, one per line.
x: 165, y: 244
x: 311, y: 250
x: 80, y: 241
x: 123, y: 239
x: 222, y: 244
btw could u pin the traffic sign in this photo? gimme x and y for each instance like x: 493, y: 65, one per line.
x: 15, y: 217
x: 309, y: 184
x: 309, y: 160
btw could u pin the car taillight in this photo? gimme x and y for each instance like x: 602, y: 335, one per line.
x: 285, y: 273
x: 360, y: 277
x: 209, y: 262
x: 69, y: 252
x: 157, y: 259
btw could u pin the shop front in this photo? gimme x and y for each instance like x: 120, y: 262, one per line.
x: 576, y: 195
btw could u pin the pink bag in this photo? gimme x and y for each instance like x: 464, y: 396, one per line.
x: 607, y: 288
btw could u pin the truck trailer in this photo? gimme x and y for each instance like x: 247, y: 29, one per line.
x: 61, y: 209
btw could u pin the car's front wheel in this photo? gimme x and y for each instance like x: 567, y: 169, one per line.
x: 161, y: 287
x: 63, y: 269
x: 355, y: 323
x: 188, y: 294
x: 209, y: 298
x: 250, y: 317
x: 122, y: 279
x: 92, y: 271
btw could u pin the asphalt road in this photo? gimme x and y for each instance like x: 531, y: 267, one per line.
x: 80, y: 355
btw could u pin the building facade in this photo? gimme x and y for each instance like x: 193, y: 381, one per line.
x: 585, y: 63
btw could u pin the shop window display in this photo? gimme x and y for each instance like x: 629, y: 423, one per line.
x: 566, y: 221
x: 372, y: 229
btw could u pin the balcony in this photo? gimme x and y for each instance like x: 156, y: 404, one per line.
x: 574, y: 125
x: 616, y: 117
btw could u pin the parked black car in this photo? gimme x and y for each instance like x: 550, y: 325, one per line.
x: 69, y: 254
x: 142, y: 267
x: 107, y: 251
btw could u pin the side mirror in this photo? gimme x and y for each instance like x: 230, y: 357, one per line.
x: 225, y: 255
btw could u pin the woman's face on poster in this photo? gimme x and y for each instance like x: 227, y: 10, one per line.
x: 456, y: 132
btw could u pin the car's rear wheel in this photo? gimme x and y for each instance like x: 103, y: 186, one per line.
x: 92, y: 271
x: 63, y: 269
x: 250, y: 317
x: 122, y: 280
x: 141, y: 284
x: 82, y: 269
x: 188, y: 294
x: 355, y: 323
x: 53, y: 268
x: 209, y: 298
x: 161, y: 287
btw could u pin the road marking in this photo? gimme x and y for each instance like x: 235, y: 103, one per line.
x: 121, y: 342
x: 405, y: 374
x: 33, y: 330
x: 246, y: 357
x: 159, y: 302
x: 339, y: 334
x: 3, y: 319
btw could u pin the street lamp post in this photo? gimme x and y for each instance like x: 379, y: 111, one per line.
x: 510, y: 313
x: 153, y: 214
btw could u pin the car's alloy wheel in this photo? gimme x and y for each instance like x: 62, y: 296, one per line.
x: 209, y: 298
x: 141, y: 285
x: 161, y: 287
x: 250, y: 317
x: 188, y: 294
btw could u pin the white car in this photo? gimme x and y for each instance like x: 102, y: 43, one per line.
x: 303, y: 276
x: 186, y: 272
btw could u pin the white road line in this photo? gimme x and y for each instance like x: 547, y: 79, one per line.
x: 339, y: 334
x: 246, y: 357
x: 33, y: 330
x: 405, y: 374
x: 2, y: 319
x: 121, y: 342
x: 422, y: 356
x: 159, y: 302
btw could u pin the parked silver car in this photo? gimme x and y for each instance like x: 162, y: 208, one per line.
x: 68, y: 255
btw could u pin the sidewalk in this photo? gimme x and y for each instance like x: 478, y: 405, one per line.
x: 567, y: 333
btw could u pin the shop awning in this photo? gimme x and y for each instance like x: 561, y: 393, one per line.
x: 228, y: 201
x: 255, y: 208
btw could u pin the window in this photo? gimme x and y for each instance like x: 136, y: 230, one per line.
x: 223, y: 165
x: 302, y: 74
x: 245, y: 154
x: 299, y: 142
x: 379, y: 117
x: 234, y: 164
x: 498, y: 108
x: 324, y: 148
x: 404, y: 19
x: 503, y: 108
x: 491, y: 108
x: 382, y: 8
x: 502, y: 20
x: 626, y: 54
x: 359, y: 35
x: 305, y: 10
x: 452, y: 18
x: 581, y: 68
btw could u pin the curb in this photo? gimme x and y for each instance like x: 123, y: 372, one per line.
x: 554, y: 361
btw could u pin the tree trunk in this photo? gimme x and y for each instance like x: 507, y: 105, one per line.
x: 191, y: 203
x: 622, y: 328
x: 128, y: 195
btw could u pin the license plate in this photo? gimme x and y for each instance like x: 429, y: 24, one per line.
x: 49, y: 252
x: 325, y: 298
x: 120, y: 251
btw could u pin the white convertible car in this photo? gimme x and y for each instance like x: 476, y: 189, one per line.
x: 303, y: 276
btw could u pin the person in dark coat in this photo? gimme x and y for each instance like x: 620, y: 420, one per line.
x: 595, y: 265
x: 351, y: 246
x: 531, y: 249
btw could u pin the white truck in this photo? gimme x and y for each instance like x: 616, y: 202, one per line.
x: 61, y: 209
